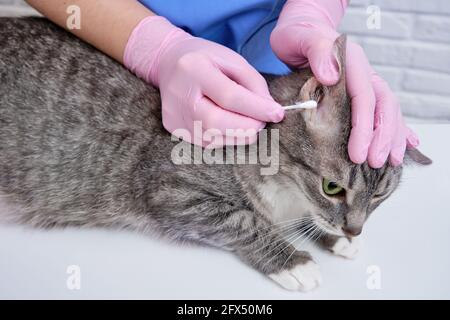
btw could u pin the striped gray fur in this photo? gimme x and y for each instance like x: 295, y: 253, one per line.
x: 82, y: 145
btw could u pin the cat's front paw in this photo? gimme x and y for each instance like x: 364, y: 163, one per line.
x: 302, y: 277
x: 347, y: 248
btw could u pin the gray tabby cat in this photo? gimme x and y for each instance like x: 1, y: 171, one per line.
x: 82, y: 144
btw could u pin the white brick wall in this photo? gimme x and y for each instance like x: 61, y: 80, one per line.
x: 411, y: 50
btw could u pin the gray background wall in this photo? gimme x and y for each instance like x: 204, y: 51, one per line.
x: 411, y: 50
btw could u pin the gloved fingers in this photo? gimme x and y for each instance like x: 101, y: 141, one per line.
x: 227, y: 123
x: 359, y: 87
x: 213, y: 138
x: 286, y: 43
x: 219, y: 141
x: 412, y: 140
x: 240, y: 71
x: 206, y: 124
x: 386, y: 123
x: 398, y: 147
x: 231, y: 96
x: 379, y: 149
x: 323, y: 62
x: 222, y: 127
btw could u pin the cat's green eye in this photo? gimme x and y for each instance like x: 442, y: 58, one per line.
x: 331, y: 188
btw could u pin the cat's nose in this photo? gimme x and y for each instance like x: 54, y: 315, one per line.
x: 352, y: 231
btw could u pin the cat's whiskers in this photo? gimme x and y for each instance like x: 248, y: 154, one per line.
x: 314, y: 236
x: 290, y: 242
x: 280, y: 241
x: 286, y: 226
x: 280, y: 226
x: 295, y: 236
x: 293, y: 251
x: 309, y: 237
x: 286, y: 234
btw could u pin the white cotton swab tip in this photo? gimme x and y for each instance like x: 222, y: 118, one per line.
x: 310, y: 104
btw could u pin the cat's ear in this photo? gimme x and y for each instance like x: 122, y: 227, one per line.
x: 414, y: 156
x: 340, y: 52
x: 333, y: 111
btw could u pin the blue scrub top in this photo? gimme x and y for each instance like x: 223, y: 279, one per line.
x: 242, y: 25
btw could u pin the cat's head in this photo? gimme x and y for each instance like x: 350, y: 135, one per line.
x: 313, y: 153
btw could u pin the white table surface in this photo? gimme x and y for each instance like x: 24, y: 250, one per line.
x: 407, y: 238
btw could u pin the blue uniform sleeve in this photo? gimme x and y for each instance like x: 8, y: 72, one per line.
x: 242, y: 25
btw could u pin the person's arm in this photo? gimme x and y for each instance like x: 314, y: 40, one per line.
x: 105, y: 24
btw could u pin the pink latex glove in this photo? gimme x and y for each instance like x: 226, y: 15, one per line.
x: 303, y: 36
x: 200, y: 80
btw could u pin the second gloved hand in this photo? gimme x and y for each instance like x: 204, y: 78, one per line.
x: 304, y: 36
x: 202, y: 81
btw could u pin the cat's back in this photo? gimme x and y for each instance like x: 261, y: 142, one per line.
x: 67, y: 105
x: 76, y: 124
x: 56, y: 89
x: 48, y: 71
x: 81, y: 138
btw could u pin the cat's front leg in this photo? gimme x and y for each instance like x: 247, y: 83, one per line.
x: 279, y: 260
x: 341, y: 246
x: 265, y: 249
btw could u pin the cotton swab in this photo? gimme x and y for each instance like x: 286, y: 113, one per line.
x: 310, y: 104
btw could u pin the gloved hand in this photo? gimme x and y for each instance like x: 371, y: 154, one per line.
x: 304, y: 35
x: 200, y: 80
